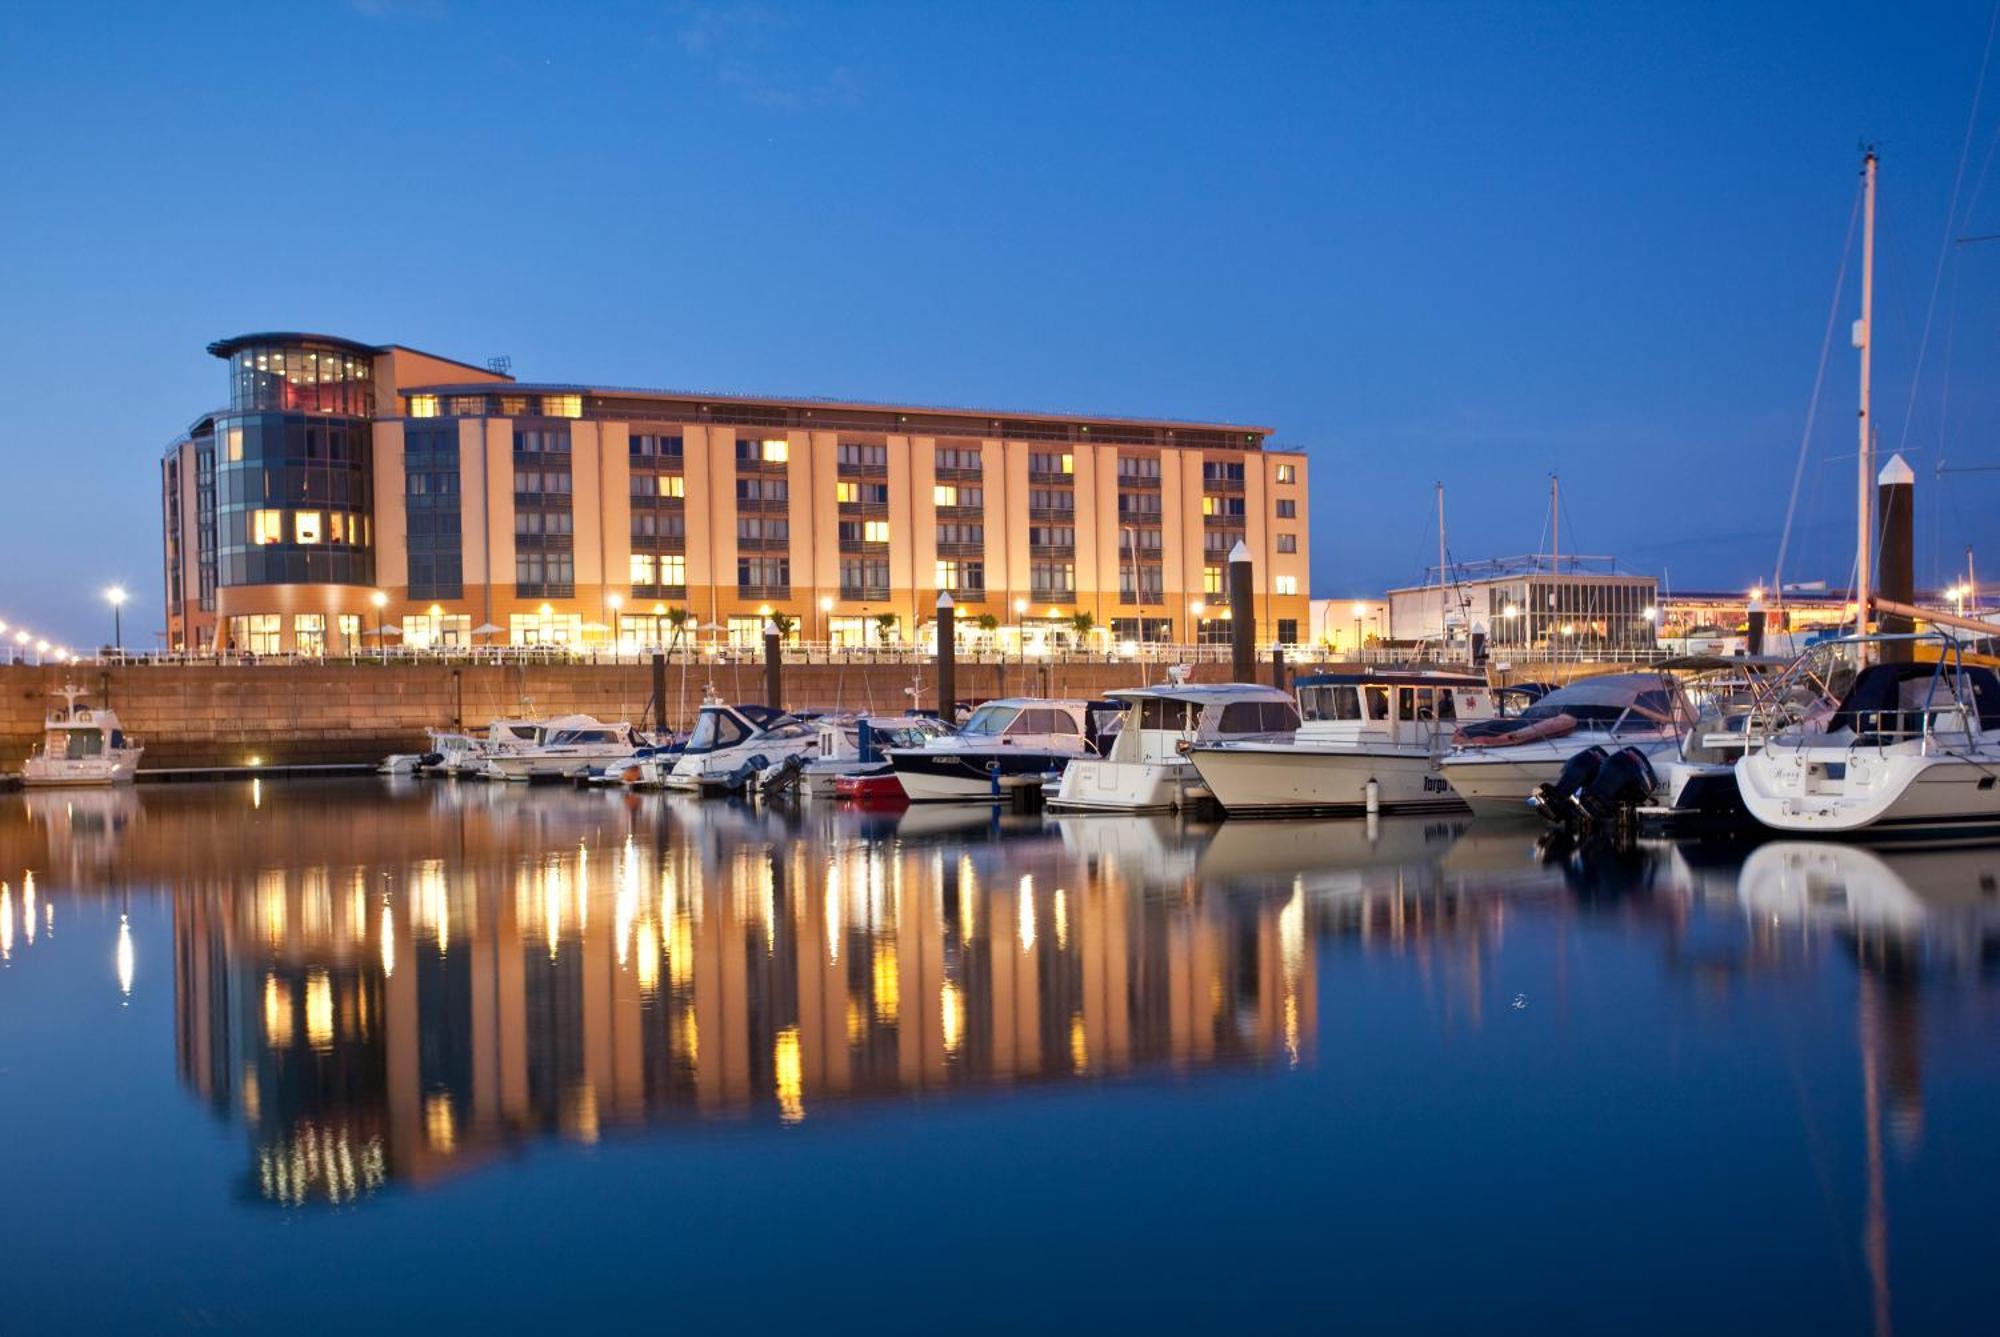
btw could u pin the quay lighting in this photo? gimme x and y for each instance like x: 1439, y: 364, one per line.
x: 1360, y: 609
x: 1756, y: 594
x: 826, y: 603
x: 1569, y: 629
x: 546, y: 611
x: 379, y: 599
x: 1648, y: 613
x: 1514, y: 610
x: 1020, y: 607
x: 617, y: 601
x: 1197, y: 608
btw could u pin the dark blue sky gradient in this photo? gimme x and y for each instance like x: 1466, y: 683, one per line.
x: 1472, y: 243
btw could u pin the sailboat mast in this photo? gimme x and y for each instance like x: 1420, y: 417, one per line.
x: 1864, y: 340
x: 1555, y: 525
x: 1443, y: 620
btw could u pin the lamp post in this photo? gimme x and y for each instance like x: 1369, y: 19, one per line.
x: 615, y: 602
x: 381, y: 601
x: 1021, y: 628
x: 826, y: 621
x: 116, y: 597
x: 1360, y: 610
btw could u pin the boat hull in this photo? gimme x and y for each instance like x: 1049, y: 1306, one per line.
x: 41, y: 773
x: 964, y: 775
x: 532, y: 766
x: 1877, y: 796
x: 1250, y: 780
x: 1092, y: 785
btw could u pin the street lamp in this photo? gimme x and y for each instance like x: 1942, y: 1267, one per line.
x: 617, y: 638
x: 1021, y: 626
x: 826, y: 619
x: 116, y: 597
x: 381, y: 601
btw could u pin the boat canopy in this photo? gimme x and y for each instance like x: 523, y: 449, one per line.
x: 717, y: 725
x: 1603, y: 701
x: 1389, y: 678
x: 1890, y: 697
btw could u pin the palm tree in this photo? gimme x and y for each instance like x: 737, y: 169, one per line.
x: 1081, y: 625
x: 677, y: 618
x: 885, y: 626
x: 987, y: 624
x: 784, y: 622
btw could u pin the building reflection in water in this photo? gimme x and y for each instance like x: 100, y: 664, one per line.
x: 376, y: 1018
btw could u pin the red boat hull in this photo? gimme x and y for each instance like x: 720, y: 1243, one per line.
x: 872, y: 790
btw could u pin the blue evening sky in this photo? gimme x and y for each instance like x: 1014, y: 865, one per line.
x: 1474, y: 243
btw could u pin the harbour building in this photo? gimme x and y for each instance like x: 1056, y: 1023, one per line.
x: 355, y: 495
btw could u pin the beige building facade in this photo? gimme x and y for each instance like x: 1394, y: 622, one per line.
x: 464, y: 508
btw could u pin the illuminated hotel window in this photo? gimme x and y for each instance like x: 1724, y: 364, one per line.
x: 845, y: 492
x: 1287, y: 584
x: 875, y: 531
x: 423, y: 406
x: 673, y: 485
x: 1211, y: 580
x: 1288, y: 543
x: 261, y: 634
x: 309, y: 633
x: 562, y: 406
x: 777, y: 452
x: 267, y: 526
x: 1208, y: 505
x: 1288, y: 473
x: 673, y: 569
x: 947, y: 575
x: 235, y: 443
x: 645, y: 569
x: 944, y: 495
x: 306, y: 527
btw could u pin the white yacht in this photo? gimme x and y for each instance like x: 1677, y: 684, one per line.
x: 1148, y: 766
x: 1016, y: 736
x: 1500, y: 766
x: 844, y: 752
x: 1369, y: 739
x: 569, y: 746
x: 728, y: 745
x: 82, y: 746
x: 468, y: 753
x: 1911, y: 752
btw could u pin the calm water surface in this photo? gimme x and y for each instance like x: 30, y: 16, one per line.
x: 369, y: 1057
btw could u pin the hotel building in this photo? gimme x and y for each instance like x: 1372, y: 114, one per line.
x: 352, y: 490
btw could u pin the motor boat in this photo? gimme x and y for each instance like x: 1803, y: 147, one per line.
x: 1006, y: 739
x: 470, y: 753
x: 1912, y: 751
x: 82, y: 745
x: 570, y: 746
x: 730, y: 746
x: 1148, y: 764
x: 1368, y: 741
x: 853, y: 746
x: 1612, y: 726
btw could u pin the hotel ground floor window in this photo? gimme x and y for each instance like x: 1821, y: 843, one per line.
x: 257, y: 634
x: 1212, y: 631
x: 746, y: 633
x: 425, y: 631
x: 1152, y: 630
x: 1288, y: 630
x: 544, y: 629
x: 646, y: 629
x: 850, y: 631
x: 309, y: 633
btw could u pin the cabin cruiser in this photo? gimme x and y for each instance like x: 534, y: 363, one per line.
x: 1148, y: 765
x: 852, y: 746
x: 1369, y: 741
x: 729, y: 746
x: 455, y: 753
x: 569, y: 747
x: 1016, y: 736
x: 1507, y: 766
x: 1912, y: 751
x: 82, y: 745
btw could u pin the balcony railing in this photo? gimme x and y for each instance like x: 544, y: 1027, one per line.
x: 864, y: 593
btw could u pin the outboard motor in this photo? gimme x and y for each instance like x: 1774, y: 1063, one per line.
x: 1624, y: 783
x: 783, y: 777
x: 1556, y: 801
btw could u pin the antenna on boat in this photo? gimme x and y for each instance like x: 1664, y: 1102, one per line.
x: 1864, y: 331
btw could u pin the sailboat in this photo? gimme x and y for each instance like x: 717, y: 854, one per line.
x: 1912, y: 751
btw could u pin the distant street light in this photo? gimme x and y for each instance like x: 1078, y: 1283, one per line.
x: 116, y: 596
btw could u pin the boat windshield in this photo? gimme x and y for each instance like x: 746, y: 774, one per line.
x: 75, y: 744
x: 582, y: 737
x: 1258, y: 717
x: 716, y: 728
x: 1340, y: 702
x: 989, y: 721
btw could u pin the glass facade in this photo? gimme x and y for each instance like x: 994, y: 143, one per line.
x: 432, y: 511
x: 294, y: 499
x: 303, y: 377
x: 1571, y: 613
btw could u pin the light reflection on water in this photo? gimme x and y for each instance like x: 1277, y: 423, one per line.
x: 390, y: 984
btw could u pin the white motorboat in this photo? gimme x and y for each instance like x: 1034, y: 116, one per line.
x: 1911, y: 752
x: 1147, y: 764
x: 569, y: 747
x: 728, y: 746
x: 1500, y: 766
x: 1013, y: 737
x: 843, y: 751
x: 82, y: 745
x: 1368, y: 740
x: 472, y: 753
